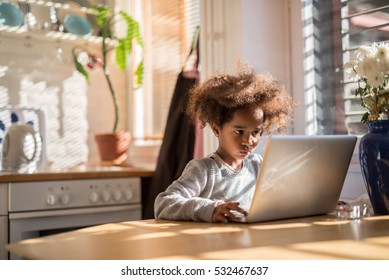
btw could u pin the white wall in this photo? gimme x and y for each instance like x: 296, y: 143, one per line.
x: 265, y: 27
x: 220, y: 44
x: 253, y: 30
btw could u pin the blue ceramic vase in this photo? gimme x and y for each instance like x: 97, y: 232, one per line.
x: 374, y: 160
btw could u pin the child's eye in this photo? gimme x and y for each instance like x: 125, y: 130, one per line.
x: 257, y: 132
x: 238, y: 132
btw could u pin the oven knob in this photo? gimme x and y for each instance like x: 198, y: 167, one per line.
x: 94, y: 197
x: 106, y: 196
x: 65, y: 198
x: 51, y: 199
x: 117, y: 195
x: 128, y: 195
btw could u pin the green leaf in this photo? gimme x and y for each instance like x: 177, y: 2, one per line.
x: 133, y: 29
x: 365, y: 117
x: 103, y: 13
x: 139, y: 73
x: 125, y: 46
x: 121, y: 54
x: 80, y: 68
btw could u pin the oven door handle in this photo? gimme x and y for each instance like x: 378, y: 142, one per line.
x: 78, y: 211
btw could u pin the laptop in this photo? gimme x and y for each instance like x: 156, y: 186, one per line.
x: 300, y: 176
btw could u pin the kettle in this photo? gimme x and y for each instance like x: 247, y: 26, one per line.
x: 22, y: 147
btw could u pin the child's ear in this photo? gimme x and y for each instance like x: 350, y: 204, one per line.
x: 215, y: 129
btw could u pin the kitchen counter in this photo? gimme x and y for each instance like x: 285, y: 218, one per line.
x: 81, y: 172
x: 318, y: 237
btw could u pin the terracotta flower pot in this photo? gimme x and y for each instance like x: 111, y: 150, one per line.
x: 113, y: 147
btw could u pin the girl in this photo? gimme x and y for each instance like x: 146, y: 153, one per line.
x: 239, y: 109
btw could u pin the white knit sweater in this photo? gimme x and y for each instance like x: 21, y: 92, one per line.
x: 202, y: 184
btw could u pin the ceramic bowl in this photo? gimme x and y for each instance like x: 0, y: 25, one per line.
x: 10, y: 15
x: 77, y: 25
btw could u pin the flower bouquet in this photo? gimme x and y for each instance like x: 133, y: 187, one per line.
x: 371, y: 70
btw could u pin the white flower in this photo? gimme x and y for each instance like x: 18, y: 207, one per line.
x: 382, y: 50
x: 383, y: 56
x: 363, y: 51
x: 83, y: 58
x: 371, y: 71
x: 350, y: 67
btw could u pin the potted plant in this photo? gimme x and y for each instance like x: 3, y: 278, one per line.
x: 370, y: 70
x: 112, y: 146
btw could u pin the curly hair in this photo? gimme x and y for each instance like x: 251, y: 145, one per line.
x: 215, y: 100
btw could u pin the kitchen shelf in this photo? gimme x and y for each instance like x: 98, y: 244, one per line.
x: 23, y: 32
x: 63, y: 6
x: 49, y: 36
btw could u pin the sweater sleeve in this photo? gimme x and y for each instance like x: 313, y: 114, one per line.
x: 184, y: 198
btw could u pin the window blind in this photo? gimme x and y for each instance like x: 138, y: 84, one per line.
x: 168, y: 28
x: 333, y: 30
x: 363, y: 23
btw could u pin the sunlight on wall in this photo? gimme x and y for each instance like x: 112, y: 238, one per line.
x: 3, y: 96
x: 3, y: 90
x: 66, y: 125
x: 309, y: 81
x: 34, y: 76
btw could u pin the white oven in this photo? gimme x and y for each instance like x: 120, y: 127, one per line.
x: 3, y: 221
x: 42, y: 208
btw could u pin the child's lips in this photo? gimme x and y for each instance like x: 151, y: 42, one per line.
x: 245, y: 152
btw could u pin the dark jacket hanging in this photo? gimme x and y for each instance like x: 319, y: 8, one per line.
x: 178, y: 144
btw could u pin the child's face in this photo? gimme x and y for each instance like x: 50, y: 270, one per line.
x: 239, y: 137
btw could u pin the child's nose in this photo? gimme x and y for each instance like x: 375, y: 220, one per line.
x: 248, y: 140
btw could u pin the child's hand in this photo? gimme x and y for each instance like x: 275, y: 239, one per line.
x: 223, y: 211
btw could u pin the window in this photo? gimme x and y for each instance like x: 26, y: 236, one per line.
x: 168, y: 28
x: 363, y: 22
x: 332, y: 31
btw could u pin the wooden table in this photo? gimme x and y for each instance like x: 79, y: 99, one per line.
x: 319, y: 237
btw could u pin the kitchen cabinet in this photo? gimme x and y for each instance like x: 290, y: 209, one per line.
x: 49, y: 202
x: 3, y: 220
